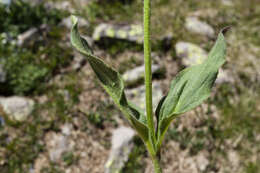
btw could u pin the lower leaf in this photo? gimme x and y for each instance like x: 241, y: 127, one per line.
x: 112, y: 82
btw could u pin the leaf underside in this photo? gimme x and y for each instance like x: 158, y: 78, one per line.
x: 112, y: 82
x: 190, y: 87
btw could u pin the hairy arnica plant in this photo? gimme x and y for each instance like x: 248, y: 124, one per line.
x: 189, y: 88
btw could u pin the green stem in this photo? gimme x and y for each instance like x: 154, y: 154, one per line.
x: 155, y: 156
x: 148, y: 73
x: 156, y: 164
x: 148, y: 87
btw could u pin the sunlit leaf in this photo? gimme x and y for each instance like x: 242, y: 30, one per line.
x: 191, y: 87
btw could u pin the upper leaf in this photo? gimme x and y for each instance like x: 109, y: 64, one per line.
x: 191, y: 86
x: 111, y: 81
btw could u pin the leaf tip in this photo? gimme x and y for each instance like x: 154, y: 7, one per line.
x: 74, y: 19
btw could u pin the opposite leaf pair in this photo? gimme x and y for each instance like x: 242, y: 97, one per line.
x: 189, y: 89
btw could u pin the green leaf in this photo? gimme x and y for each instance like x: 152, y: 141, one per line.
x: 191, y: 87
x: 111, y: 81
x: 157, y: 112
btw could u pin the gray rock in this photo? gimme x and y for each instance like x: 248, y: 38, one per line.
x: 194, y: 25
x: 137, y: 95
x: 192, y: 54
x: 202, y: 162
x: 122, y: 145
x: 132, y: 33
x: 234, y: 158
x: 208, y: 13
x: 17, y: 108
x: 224, y: 77
x: 34, y: 2
x: 71, y: 6
x: 57, y: 144
x: 6, y: 2
x: 135, y: 75
x: 60, y: 5
x: 2, y: 74
x: 27, y: 36
x: 31, y: 35
x: 227, y: 2
x: 66, y: 129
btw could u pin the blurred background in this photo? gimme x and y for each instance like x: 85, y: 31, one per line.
x: 55, y: 117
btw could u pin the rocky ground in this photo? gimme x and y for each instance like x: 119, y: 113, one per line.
x: 55, y: 117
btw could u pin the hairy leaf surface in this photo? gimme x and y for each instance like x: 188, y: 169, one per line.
x: 111, y: 81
